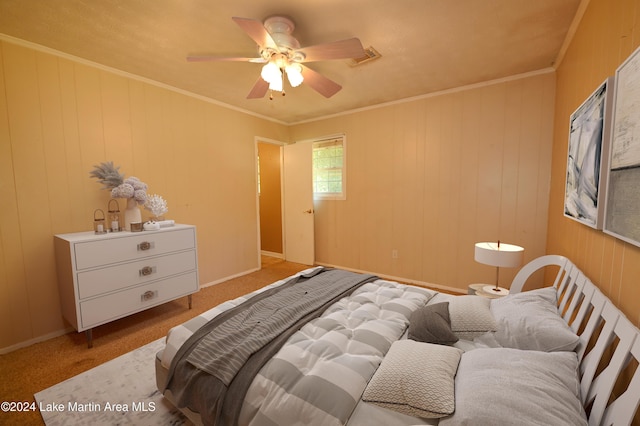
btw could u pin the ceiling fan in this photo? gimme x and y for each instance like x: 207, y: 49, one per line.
x: 281, y: 53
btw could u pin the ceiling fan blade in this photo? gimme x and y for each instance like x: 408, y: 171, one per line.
x: 342, y: 49
x: 257, y: 32
x: 205, y: 58
x: 259, y: 89
x: 320, y: 83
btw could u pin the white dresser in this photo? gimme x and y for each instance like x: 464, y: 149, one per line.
x: 108, y: 276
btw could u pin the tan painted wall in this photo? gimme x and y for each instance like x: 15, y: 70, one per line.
x: 431, y: 177
x: 58, y: 118
x: 606, y: 36
x: 270, y: 198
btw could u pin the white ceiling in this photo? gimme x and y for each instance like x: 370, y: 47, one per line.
x: 426, y: 45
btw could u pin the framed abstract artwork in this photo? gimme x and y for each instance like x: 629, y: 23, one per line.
x: 587, y: 157
x: 622, y: 212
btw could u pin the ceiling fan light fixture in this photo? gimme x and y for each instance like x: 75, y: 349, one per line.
x: 276, y: 84
x: 271, y: 73
x: 294, y: 74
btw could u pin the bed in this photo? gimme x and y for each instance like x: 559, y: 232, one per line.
x: 332, y: 347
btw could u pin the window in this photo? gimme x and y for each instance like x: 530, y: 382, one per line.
x: 329, y: 173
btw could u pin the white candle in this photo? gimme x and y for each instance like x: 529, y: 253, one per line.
x: 115, y: 226
x: 100, y: 228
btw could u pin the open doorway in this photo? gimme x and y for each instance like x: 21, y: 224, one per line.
x: 269, y: 160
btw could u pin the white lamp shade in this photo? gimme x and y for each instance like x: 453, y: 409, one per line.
x: 501, y: 255
x: 271, y: 73
x: 276, y: 85
x: 294, y: 74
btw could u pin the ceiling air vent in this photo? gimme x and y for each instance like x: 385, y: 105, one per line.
x: 370, y: 54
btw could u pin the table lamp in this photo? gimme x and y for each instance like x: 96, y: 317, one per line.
x: 498, y: 255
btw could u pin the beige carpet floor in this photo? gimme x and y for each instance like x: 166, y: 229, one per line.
x: 32, y: 369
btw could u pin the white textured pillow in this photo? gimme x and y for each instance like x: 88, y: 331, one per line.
x: 507, y: 387
x: 470, y: 316
x: 415, y: 378
x: 530, y: 320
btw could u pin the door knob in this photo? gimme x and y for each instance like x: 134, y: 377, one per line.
x: 308, y: 211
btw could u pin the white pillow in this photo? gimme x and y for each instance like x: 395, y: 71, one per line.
x: 530, y: 320
x: 416, y: 379
x: 506, y: 387
x: 471, y: 316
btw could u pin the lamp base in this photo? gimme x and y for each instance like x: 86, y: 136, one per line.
x: 497, y: 291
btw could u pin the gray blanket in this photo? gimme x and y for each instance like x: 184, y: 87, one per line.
x: 212, y: 371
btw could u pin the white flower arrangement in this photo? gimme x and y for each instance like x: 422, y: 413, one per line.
x: 110, y: 178
x: 156, y: 205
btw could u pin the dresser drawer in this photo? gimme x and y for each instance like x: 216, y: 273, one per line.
x: 103, y: 309
x: 95, y: 253
x: 105, y: 280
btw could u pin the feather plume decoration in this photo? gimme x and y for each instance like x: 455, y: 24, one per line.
x: 108, y: 175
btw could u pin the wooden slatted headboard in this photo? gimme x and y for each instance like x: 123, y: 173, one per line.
x: 609, y: 345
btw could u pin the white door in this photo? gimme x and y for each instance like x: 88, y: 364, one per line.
x: 298, y: 203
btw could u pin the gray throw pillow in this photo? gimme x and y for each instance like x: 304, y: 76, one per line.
x: 471, y: 316
x: 431, y: 324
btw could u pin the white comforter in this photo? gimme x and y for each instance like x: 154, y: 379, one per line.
x: 322, y: 371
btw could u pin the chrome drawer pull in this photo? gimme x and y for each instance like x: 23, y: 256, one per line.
x: 148, y: 295
x: 145, y: 245
x: 147, y: 270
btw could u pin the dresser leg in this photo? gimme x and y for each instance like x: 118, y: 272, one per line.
x: 89, y: 334
x: 189, y: 298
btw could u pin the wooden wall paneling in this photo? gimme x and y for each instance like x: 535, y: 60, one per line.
x: 413, y: 184
x: 14, y: 302
x: 471, y: 123
x: 533, y: 159
x: 175, y: 142
x: 432, y: 129
x: 25, y: 121
x: 626, y: 27
x: 362, y: 178
x: 522, y: 140
x: 627, y: 296
x: 420, y: 171
x: 605, y: 259
x: 91, y: 136
x: 151, y: 141
x: 380, y: 203
x: 79, y: 219
x: 405, y: 206
x: 191, y: 139
x: 116, y: 116
x: 448, y: 231
x: 545, y: 165
x: 53, y: 145
x: 58, y: 196
x: 142, y: 146
x: 529, y: 159
x: 490, y: 164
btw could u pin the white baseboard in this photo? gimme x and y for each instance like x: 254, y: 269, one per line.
x: 230, y: 277
x: 399, y: 279
x: 35, y: 340
x: 272, y: 254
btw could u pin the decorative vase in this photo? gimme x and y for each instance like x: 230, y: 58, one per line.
x: 131, y: 214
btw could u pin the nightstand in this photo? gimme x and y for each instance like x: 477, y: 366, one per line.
x: 480, y: 290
